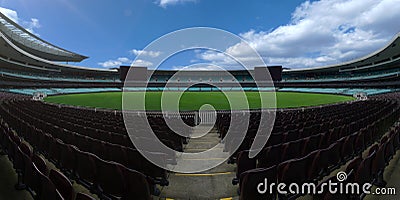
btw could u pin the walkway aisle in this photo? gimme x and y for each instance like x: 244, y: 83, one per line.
x: 211, y: 184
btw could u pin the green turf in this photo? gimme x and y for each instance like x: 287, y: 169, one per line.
x: 194, y: 100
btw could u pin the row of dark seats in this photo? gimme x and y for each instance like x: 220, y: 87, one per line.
x: 51, y: 142
x: 54, y: 116
x: 5, y: 96
x: 109, y: 180
x: 108, y: 121
x: 317, y: 154
x: 352, y: 143
x: 33, y: 173
x: 369, y: 169
x: 358, y: 115
x: 306, y: 169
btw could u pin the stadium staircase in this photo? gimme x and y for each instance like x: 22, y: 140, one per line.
x: 209, y: 184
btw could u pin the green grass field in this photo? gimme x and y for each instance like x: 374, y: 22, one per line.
x: 194, y: 100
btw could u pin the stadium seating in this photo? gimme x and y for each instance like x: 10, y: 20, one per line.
x: 84, y: 147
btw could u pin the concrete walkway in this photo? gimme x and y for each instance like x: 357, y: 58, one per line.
x: 211, y: 184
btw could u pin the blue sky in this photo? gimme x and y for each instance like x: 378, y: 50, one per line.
x: 293, y: 33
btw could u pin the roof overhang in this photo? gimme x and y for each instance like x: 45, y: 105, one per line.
x: 35, y: 45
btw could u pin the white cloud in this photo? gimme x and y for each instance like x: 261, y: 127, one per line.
x: 125, y: 61
x: 323, y: 32
x: 29, y: 25
x: 165, y: 3
x: 116, y: 63
x: 142, y: 63
x: 152, y: 54
x: 12, y: 14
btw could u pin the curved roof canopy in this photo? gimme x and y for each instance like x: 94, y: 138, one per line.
x: 33, y: 44
x: 378, y: 59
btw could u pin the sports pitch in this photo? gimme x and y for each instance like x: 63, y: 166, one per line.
x: 194, y: 100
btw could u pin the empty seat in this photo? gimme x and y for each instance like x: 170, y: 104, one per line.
x: 85, y: 167
x: 47, y: 189
x: 270, y: 156
x: 347, y: 150
x: 137, y: 185
x: 243, y: 163
x: 378, y: 164
x: 19, y: 167
x: 68, y: 158
x: 292, y: 149
x: 62, y: 184
x: 26, y: 149
x: 110, y: 178
x: 363, y: 174
x: 116, y: 153
x: 311, y: 144
x: 55, y: 150
x: 40, y: 164
x: 296, y: 170
x: 250, y: 180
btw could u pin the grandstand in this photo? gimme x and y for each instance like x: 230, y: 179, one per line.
x: 55, y: 151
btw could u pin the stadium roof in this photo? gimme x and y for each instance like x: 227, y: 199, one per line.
x: 386, y: 55
x: 33, y: 44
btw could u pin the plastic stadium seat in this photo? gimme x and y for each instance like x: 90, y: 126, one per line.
x: 12, y: 148
x: 116, y: 153
x: 44, y: 146
x: 396, y: 139
x: 55, y: 150
x: 110, y: 178
x: 97, y: 147
x: 137, y: 162
x: 359, y: 143
x: 389, y: 150
x: 363, y: 174
x: 378, y: 164
x: 313, y: 165
x: 40, y: 163
x: 33, y: 178
x: 311, y: 144
x: 35, y: 138
x: 270, y: 156
x: 85, y: 167
x: 353, y: 165
x: 82, y: 143
x: 291, y: 136
x: 47, y: 189
x: 137, y: 185
x: 82, y: 196
x: 243, y: 163
x: 68, y: 157
x: 292, y: 149
x: 296, y: 170
x: 26, y: 149
x: 19, y: 167
x: 324, y: 161
x: 251, y: 179
x: 62, y: 184
x: 347, y: 150
x: 275, y: 139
